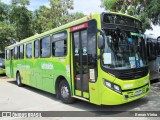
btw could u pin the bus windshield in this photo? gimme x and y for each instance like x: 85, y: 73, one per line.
x: 124, y: 50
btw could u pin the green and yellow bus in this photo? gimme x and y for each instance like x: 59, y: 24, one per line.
x: 2, y: 63
x: 100, y: 58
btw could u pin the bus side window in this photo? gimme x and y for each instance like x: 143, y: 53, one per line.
x: 18, y: 52
x: 15, y: 53
x: 21, y: 53
x: 45, y: 47
x: 36, y: 48
x: 59, y: 44
x: 7, y: 55
x: 29, y: 50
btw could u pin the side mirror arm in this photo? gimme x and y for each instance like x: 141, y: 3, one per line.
x: 101, y: 32
x: 99, y: 56
x: 101, y: 50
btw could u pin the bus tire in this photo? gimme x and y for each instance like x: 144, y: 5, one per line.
x: 65, y: 92
x: 18, y: 80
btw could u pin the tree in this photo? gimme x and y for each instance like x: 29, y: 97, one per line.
x: 6, y: 34
x: 71, y: 17
x: 146, y: 10
x: 6, y: 29
x: 56, y: 15
x: 21, y: 18
x: 17, y: 22
x: 20, y: 2
x: 41, y: 19
x: 4, y: 9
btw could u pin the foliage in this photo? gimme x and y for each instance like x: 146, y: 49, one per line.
x: 4, y: 9
x: 21, y: 18
x: 17, y: 22
x: 20, y: 2
x: 57, y: 14
x: 6, y: 29
x: 6, y: 34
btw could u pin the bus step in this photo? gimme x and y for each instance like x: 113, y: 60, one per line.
x: 84, y: 99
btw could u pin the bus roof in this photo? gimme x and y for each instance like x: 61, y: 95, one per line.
x: 81, y: 20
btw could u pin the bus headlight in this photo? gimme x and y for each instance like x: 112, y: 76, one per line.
x: 112, y: 86
x: 108, y: 84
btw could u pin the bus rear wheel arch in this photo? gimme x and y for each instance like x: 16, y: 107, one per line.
x: 18, y: 79
x: 64, y: 92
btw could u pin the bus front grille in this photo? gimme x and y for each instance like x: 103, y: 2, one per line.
x: 135, y: 74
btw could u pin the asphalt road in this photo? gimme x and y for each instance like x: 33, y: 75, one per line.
x: 14, y: 98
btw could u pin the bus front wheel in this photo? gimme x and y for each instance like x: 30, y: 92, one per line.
x: 18, y: 80
x: 65, y: 93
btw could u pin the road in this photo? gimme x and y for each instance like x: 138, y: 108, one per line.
x: 14, y: 98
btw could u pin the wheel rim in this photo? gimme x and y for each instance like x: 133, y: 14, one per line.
x: 64, y: 92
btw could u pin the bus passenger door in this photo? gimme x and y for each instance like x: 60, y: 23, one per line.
x: 84, y: 59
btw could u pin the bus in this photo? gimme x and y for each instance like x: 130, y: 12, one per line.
x: 153, y: 57
x: 2, y: 64
x: 99, y: 58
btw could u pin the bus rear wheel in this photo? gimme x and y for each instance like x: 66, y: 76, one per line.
x: 65, y: 93
x: 18, y: 80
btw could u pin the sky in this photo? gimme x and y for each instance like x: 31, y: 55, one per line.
x: 85, y: 6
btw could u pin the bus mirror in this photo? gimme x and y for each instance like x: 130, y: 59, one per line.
x: 158, y: 38
x: 100, y: 42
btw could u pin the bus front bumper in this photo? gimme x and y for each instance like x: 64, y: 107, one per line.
x: 110, y: 97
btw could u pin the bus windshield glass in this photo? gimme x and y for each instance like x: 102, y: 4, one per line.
x: 124, y: 50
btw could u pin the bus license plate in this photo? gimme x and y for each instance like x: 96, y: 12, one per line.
x: 138, y: 92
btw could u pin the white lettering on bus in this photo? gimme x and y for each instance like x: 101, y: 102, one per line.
x: 68, y: 70
x: 23, y: 66
x: 47, y: 66
x: 128, y: 85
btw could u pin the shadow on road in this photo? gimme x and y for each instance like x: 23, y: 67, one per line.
x: 2, y: 75
x: 37, y: 91
x: 154, y: 81
x: 94, y: 109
